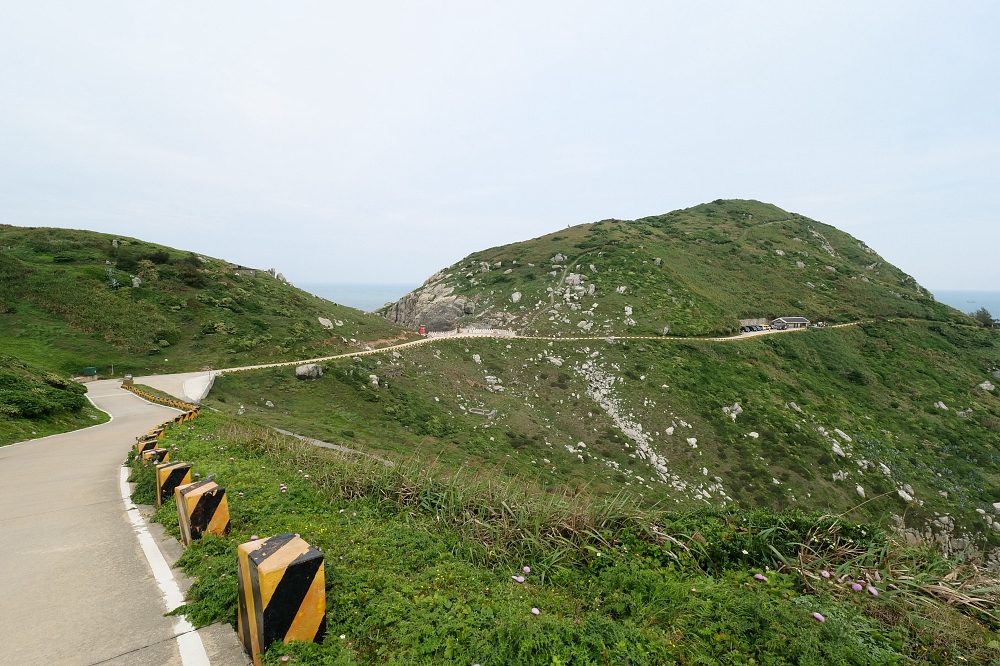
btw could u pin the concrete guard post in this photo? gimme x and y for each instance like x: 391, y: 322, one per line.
x: 156, y: 455
x: 145, y: 445
x: 281, y: 593
x: 201, y: 507
x: 168, y: 477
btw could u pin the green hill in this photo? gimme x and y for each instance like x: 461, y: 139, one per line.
x: 71, y: 299
x: 696, y: 271
x: 892, y: 420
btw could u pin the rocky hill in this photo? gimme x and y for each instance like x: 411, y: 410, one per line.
x: 697, y: 271
x: 70, y: 299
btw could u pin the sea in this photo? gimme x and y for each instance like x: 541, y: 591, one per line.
x: 970, y: 301
x: 366, y: 297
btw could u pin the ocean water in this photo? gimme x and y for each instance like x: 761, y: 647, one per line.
x: 970, y: 301
x: 365, y: 297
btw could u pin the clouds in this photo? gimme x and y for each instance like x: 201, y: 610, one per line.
x: 383, y: 142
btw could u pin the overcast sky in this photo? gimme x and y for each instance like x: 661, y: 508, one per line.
x: 378, y: 142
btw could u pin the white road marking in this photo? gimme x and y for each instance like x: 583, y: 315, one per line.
x: 189, y: 643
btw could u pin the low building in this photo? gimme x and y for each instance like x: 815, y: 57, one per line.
x: 790, y: 322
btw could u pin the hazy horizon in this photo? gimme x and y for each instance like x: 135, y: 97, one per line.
x: 373, y: 144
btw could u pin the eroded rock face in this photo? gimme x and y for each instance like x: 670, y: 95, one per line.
x: 432, y: 306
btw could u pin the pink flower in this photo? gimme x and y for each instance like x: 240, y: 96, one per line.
x: 231, y: 459
x: 819, y: 618
x: 872, y: 591
x: 526, y: 570
x: 254, y: 537
x: 285, y: 658
x: 694, y: 591
x: 824, y: 574
x: 517, y: 579
x: 535, y: 611
x: 760, y: 577
x: 857, y: 587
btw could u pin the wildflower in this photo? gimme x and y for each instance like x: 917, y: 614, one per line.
x: 857, y: 587
x: 343, y: 636
x: 196, y: 475
x: 872, y: 591
x: 517, y: 579
x: 296, y: 534
x: 232, y: 459
x: 745, y: 552
x: 694, y: 591
x: 254, y: 537
x: 285, y: 658
x: 535, y: 611
x: 819, y: 618
x: 342, y: 511
x: 824, y: 574
x: 239, y: 494
x: 306, y: 476
x: 760, y: 577
x: 526, y: 569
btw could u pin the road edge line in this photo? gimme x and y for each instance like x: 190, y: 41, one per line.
x: 189, y: 643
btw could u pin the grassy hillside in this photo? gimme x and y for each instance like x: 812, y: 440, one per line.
x: 35, y: 403
x: 423, y: 566
x: 696, y: 271
x: 70, y: 299
x: 650, y: 418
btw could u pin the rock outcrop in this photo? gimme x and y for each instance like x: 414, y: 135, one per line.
x: 432, y: 306
x: 309, y: 371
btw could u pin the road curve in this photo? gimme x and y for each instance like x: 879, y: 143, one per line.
x: 75, y: 584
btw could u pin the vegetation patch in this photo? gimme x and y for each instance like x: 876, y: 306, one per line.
x: 424, y: 565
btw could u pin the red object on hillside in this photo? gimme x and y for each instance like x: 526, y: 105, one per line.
x: 423, y: 331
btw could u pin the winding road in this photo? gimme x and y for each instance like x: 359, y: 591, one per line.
x: 80, y: 581
x: 84, y: 580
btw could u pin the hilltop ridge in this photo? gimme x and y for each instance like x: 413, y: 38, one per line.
x: 70, y: 299
x: 696, y: 271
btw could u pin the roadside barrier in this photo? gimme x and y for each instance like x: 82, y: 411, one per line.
x: 156, y: 455
x: 281, y: 593
x: 145, y: 445
x: 201, y: 507
x: 168, y: 477
x: 169, y: 402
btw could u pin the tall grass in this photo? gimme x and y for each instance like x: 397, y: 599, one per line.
x: 504, y: 519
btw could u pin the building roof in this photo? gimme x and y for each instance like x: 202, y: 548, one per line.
x: 793, y: 320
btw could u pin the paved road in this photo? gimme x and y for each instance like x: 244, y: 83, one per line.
x: 76, y: 587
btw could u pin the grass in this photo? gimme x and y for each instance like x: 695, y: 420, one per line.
x: 419, y: 563
x: 877, y: 383
x: 68, y: 301
x: 37, y: 403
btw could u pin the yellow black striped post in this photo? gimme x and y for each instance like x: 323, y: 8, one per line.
x: 282, y: 593
x: 157, y: 432
x: 156, y: 455
x: 201, y: 507
x: 168, y: 477
x: 145, y: 445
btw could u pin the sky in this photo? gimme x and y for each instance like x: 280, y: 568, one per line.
x: 378, y: 142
